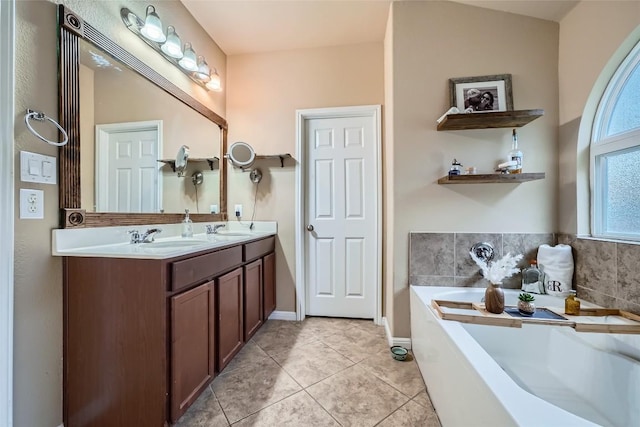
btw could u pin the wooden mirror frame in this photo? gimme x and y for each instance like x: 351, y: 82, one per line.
x: 72, y: 28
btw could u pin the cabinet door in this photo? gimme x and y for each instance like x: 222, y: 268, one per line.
x: 192, y: 346
x: 252, y: 298
x: 230, y: 314
x: 269, y: 284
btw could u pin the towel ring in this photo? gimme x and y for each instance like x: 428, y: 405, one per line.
x: 39, y: 116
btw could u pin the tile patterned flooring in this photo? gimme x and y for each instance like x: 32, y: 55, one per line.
x: 320, y: 372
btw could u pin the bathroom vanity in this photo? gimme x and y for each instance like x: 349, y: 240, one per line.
x: 145, y: 333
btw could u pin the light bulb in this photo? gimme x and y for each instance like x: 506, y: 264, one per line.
x: 203, y: 69
x: 188, y: 61
x: 173, y: 46
x: 152, y: 28
x: 214, y: 84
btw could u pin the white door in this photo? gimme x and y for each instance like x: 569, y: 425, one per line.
x: 341, y: 214
x: 127, y: 174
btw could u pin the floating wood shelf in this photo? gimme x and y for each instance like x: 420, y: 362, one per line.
x: 275, y: 156
x: 212, y: 162
x: 499, y: 119
x: 492, y: 178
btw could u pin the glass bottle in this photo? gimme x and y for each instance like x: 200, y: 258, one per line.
x: 533, y: 278
x: 515, y: 154
x: 187, y: 225
x: 571, y: 304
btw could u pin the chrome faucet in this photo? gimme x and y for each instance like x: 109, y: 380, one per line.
x: 146, y: 237
x: 214, y: 229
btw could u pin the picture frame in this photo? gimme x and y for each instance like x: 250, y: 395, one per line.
x: 481, y: 94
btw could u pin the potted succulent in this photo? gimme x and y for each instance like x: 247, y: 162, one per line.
x: 526, y: 307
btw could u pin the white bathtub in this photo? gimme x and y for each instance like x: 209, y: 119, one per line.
x: 539, y: 376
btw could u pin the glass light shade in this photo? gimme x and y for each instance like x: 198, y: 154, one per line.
x: 173, y: 46
x: 214, y: 84
x: 188, y: 61
x: 152, y: 28
x: 203, y: 70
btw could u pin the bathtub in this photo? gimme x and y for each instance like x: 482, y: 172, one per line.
x: 537, y: 375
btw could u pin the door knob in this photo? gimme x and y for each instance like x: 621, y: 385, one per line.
x: 310, y: 227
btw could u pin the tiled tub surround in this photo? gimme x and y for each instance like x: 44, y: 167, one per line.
x: 606, y: 273
x: 442, y: 259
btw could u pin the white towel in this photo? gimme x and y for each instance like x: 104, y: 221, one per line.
x: 556, y: 262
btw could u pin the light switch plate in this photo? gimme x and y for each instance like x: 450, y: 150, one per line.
x: 36, y: 167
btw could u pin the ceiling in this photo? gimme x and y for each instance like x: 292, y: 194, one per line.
x: 251, y: 26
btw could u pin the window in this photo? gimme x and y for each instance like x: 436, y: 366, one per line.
x: 615, y: 155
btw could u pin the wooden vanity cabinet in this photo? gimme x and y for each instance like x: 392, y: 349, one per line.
x: 253, y: 314
x: 268, y: 285
x: 144, y: 337
x: 230, y: 316
x: 193, y: 349
x: 114, y: 342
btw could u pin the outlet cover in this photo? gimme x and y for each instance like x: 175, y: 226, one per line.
x: 31, y: 204
x: 237, y: 211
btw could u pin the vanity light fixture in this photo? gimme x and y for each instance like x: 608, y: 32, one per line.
x: 170, y: 47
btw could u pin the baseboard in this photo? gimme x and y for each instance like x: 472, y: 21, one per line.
x: 403, y: 342
x: 283, y: 315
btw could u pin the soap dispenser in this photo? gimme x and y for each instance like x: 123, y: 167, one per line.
x: 187, y: 225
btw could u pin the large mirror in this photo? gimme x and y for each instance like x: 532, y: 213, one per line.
x: 126, y: 124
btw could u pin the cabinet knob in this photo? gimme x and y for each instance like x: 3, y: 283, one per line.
x: 310, y: 227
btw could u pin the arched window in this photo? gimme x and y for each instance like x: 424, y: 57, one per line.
x: 615, y: 155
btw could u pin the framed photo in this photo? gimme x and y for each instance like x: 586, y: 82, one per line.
x: 481, y: 94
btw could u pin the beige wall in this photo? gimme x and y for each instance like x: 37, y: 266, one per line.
x: 432, y: 42
x: 265, y: 90
x: 594, y: 38
x: 38, y: 276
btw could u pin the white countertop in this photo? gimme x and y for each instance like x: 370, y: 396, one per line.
x: 113, y: 242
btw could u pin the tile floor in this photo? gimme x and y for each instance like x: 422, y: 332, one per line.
x: 320, y: 372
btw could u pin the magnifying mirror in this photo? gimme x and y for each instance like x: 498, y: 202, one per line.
x: 181, y: 159
x: 241, y: 155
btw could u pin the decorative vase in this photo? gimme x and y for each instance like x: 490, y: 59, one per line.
x: 494, y: 298
x: 526, y: 308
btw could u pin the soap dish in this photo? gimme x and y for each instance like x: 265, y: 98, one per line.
x: 399, y: 353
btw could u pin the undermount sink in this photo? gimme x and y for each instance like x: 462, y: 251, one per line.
x: 232, y: 233
x: 182, y: 243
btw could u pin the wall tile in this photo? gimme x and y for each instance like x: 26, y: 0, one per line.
x: 464, y: 265
x: 475, y: 281
x: 526, y: 244
x: 628, y: 272
x: 596, y: 265
x: 431, y: 254
x: 597, y: 297
x: 432, y: 280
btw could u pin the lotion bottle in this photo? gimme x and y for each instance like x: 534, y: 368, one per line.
x: 187, y: 225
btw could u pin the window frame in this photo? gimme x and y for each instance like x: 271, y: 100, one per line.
x: 602, y: 145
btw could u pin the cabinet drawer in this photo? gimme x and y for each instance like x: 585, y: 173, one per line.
x: 200, y: 268
x: 257, y: 249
